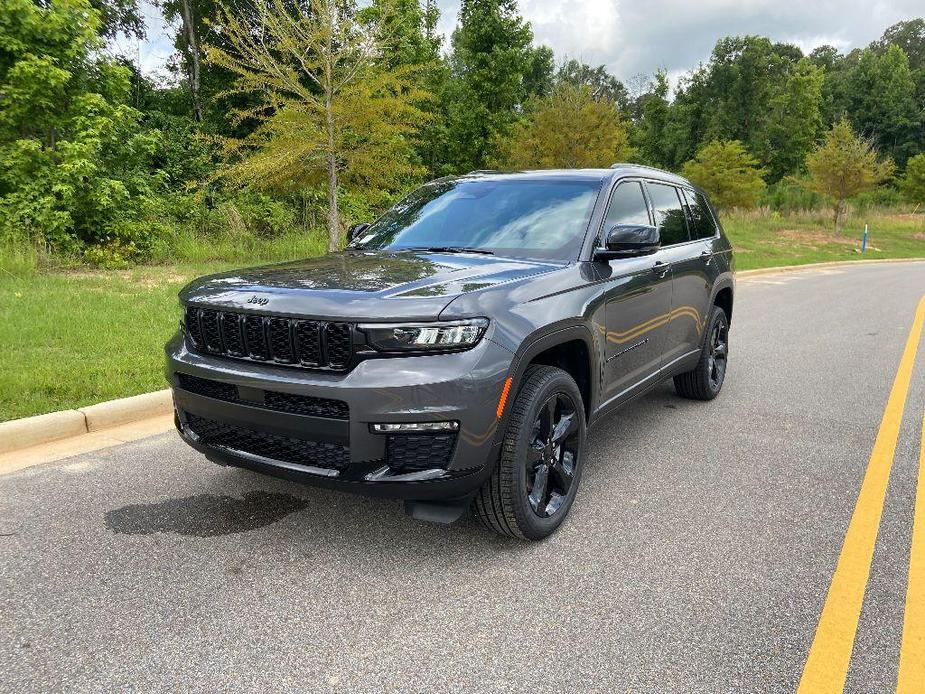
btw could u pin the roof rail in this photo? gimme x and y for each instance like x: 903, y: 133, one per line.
x: 637, y: 166
x: 478, y: 171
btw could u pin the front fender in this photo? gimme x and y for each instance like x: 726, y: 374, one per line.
x: 539, y: 342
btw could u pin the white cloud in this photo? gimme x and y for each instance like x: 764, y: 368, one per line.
x: 633, y: 36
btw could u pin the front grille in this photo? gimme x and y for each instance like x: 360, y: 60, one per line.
x: 307, y: 343
x: 274, y: 446
x: 410, y: 452
x: 273, y: 400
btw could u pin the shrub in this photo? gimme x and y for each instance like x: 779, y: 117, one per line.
x: 728, y: 173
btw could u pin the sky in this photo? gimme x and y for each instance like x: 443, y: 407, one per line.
x: 637, y: 37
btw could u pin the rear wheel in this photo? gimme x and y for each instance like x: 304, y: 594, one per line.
x: 534, y: 483
x: 704, y: 381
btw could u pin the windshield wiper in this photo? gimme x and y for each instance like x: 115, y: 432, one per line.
x: 449, y: 249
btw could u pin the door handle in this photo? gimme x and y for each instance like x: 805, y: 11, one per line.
x: 706, y: 257
x: 660, y: 269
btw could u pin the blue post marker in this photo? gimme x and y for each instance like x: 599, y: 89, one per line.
x: 864, y: 241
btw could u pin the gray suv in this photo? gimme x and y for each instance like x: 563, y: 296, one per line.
x: 455, y: 353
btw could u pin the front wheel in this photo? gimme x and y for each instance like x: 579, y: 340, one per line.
x: 533, y: 485
x: 705, y: 380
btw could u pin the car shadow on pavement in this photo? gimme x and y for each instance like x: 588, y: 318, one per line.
x: 204, y: 515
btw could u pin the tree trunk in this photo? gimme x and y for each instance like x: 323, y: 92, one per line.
x: 333, y: 217
x: 192, y: 42
x: 841, y: 208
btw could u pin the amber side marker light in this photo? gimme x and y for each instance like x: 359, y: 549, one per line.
x: 503, y: 399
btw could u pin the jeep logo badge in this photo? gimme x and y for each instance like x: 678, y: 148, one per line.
x: 259, y: 300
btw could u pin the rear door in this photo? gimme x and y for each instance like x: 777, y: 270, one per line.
x: 691, y: 260
x: 638, y: 301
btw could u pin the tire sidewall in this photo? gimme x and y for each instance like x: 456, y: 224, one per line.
x: 531, y: 525
x: 716, y: 316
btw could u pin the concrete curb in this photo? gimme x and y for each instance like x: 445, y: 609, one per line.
x: 818, y: 266
x: 45, y: 428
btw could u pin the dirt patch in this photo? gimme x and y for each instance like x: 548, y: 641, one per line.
x: 815, y: 238
x: 909, y: 217
x: 138, y: 278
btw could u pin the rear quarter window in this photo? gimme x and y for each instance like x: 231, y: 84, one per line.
x: 703, y: 226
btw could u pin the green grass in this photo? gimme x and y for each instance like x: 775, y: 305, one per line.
x: 76, y: 338
x: 73, y: 336
x: 763, y: 239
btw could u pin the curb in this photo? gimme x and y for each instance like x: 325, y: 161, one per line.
x: 818, y: 266
x: 45, y: 428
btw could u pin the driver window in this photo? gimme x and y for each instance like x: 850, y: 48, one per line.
x: 627, y: 206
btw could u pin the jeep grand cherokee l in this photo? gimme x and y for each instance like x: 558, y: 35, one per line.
x: 456, y: 351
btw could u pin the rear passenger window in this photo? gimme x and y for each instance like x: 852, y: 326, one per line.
x: 702, y: 224
x: 627, y: 206
x: 669, y: 215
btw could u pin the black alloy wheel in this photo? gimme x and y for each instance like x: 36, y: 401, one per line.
x: 719, y: 349
x: 705, y: 380
x: 552, y: 455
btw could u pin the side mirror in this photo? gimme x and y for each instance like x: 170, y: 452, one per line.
x: 356, y: 229
x: 629, y: 241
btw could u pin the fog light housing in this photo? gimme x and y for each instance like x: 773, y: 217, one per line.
x: 419, y: 427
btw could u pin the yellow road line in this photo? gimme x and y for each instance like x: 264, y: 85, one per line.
x: 912, y: 652
x: 829, y: 656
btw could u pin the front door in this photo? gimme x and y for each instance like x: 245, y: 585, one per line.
x: 638, y: 303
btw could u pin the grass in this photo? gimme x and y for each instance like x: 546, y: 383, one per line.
x: 765, y: 239
x: 74, y: 337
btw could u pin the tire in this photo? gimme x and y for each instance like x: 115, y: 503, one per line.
x: 705, y: 380
x: 520, y: 499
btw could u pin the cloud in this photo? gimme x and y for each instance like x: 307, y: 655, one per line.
x: 632, y: 37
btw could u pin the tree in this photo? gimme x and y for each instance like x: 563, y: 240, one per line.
x: 728, y: 173
x: 649, y: 132
x: 794, y: 119
x: 602, y: 84
x: 192, y: 15
x: 119, y: 16
x: 909, y: 36
x: 744, y: 93
x: 881, y: 102
x: 913, y: 183
x: 843, y: 166
x: 409, y: 36
x: 494, y: 70
x: 74, y: 164
x: 567, y: 129
x: 329, y: 105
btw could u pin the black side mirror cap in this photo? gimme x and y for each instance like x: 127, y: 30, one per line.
x: 356, y: 229
x: 629, y: 241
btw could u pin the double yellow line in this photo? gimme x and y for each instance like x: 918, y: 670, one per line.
x: 830, y: 654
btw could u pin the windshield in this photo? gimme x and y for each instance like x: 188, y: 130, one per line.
x: 544, y: 219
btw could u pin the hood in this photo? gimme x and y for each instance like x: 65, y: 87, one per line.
x: 356, y: 285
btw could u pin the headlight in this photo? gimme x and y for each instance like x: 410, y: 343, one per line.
x: 425, y: 337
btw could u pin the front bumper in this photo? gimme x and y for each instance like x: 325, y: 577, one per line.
x: 462, y: 387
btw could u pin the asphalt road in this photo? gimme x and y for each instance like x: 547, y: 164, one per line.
x: 697, y: 557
